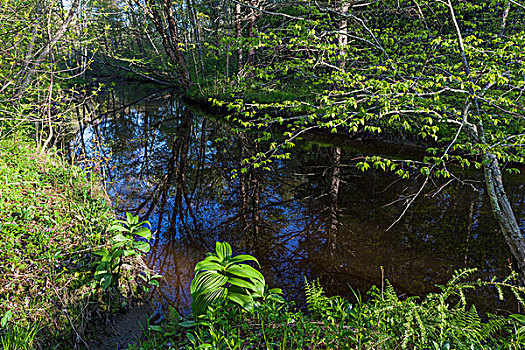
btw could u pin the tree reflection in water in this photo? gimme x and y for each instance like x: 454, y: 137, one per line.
x: 314, y: 215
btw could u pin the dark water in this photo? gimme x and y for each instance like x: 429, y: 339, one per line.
x: 314, y: 215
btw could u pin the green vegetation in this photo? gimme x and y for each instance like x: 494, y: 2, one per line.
x: 443, y: 320
x: 123, y: 244
x: 445, y: 74
x: 52, y: 219
x: 53, y: 216
x: 220, y: 277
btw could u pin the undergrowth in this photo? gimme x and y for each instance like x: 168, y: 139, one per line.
x: 439, y: 321
x: 51, y: 220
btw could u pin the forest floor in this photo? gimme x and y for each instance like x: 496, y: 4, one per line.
x: 53, y: 216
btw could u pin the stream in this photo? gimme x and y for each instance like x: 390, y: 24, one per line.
x: 313, y: 216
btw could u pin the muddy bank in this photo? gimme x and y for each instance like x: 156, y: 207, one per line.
x: 121, y: 330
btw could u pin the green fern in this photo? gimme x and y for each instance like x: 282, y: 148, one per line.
x: 315, y: 298
x: 389, y: 294
x: 440, y: 320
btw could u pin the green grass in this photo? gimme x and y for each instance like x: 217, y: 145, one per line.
x: 51, y: 219
x: 20, y: 336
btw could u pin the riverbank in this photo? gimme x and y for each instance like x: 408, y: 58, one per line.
x: 443, y: 320
x: 53, y: 216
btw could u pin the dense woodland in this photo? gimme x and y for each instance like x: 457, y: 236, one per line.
x: 448, y: 75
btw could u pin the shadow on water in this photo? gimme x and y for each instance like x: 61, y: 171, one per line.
x: 315, y: 215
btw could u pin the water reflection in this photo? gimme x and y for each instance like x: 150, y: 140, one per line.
x: 313, y: 216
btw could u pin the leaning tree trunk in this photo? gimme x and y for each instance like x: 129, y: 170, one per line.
x: 502, y: 210
x: 32, y: 68
x: 499, y: 201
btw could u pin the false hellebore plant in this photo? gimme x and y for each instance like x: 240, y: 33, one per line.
x: 123, y: 244
x: 221, y: 277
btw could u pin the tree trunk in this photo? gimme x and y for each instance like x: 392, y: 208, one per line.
x: 501, y: 207
x: 47, y: 48
x: 335, y: 181
x: 170, y: 36
x: 504, y: 18
x: 175, y: 41
x: 503, y: 212
x: 342, y: 39
x: 252, y: 25
x: 238, y: 35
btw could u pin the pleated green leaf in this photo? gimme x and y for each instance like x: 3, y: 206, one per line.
x: 120, y: 238
x: 223, y: 249
x: 117, y: 227
x: 208, y: 266
x: 241, y: 258
x: 242, y: 283
x: 143, y: 232
x: 142, y: 246
x: 206, y: 282
x: 244, y: 300
x: 209, y: 259
x: 201, y: 302
x: 246, y: 271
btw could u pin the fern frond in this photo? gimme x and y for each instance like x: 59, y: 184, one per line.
x: 314, y: 293
x: 460, y: 274
x: 389, y: 293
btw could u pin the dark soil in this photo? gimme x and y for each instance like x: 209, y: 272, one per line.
x: 124, y: 329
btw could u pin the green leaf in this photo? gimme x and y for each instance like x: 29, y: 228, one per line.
x: 145, y: 222
x: 116, y: 253
x: 242, y: 283
x: 206, y: 282
x: 187, y: 324
x: 244, y: 300
x: 154, y: 283
x: 518, y: 317
x: 143, y: 232
x: 129, y: 252
x: 120, y: 238
x: 155, y: 328
x: 208, y: 265
x: 101, y: 269
x: 241, y: 258
x: 276, y: 298
x: 201, y: 302
x: 101, y: 252
x: 118, y: 227
x: 246, y: 271
x: 6, y: 318
x: 223, y: 249
x: 142, y: 246
x: 107, y: 281
x: 259, y: 288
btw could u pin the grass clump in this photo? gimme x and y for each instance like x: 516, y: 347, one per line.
x: 51, y: 220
